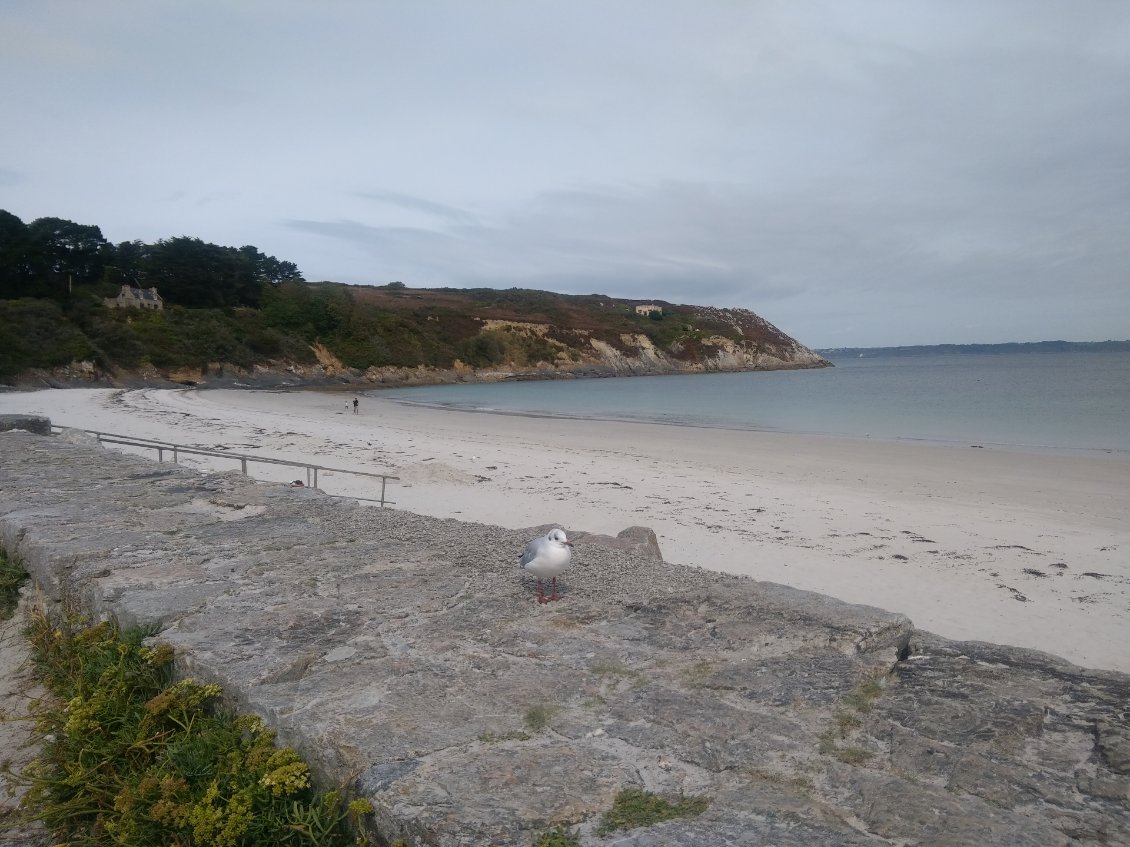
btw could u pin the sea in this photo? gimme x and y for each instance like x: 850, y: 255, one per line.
x: 1042, y: 402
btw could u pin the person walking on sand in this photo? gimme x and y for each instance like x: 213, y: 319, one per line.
x: 355, y: 405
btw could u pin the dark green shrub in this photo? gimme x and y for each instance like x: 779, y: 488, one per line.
x: 35, y: 334
x: 133, y: 758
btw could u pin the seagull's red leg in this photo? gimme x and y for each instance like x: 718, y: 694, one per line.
x: 554, y: 596
x: 541, y: 594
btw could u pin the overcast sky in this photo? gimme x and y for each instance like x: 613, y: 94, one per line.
x: 858, y: 173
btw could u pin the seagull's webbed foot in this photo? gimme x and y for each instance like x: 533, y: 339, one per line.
x: 553, y: 595
x: 541, y: 594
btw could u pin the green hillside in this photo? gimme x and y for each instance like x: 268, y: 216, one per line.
x: 239, y: 307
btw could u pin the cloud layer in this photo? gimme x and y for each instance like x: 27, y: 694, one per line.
x: 865, y: 173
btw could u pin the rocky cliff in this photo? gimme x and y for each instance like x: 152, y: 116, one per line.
x: 603, y: 338
x: 405, y: 656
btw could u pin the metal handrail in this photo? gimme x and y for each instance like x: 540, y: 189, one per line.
x: 177, y: 449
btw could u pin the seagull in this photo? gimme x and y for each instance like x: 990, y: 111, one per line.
x: 545, y: 558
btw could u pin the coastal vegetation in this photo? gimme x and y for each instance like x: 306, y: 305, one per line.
x: 240, y: 307
x: 12, y: 577
x: 132, y: 757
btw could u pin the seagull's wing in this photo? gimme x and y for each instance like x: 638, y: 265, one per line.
x: 532, y: 551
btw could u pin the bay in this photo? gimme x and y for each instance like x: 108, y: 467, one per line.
x: 1028, y: 401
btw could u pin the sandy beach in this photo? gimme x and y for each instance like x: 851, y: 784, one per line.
x: 1025, y: 549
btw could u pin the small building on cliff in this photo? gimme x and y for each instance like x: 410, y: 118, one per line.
x: 648, y: 308
x: 136, y: 298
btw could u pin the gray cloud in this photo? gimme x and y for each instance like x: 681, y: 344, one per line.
x: 10, y: 177
x: 865, y: 173
x: 418, y: 204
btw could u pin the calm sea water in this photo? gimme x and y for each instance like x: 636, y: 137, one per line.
x: 1040, y: 401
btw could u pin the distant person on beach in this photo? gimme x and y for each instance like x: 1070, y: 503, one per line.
x: 355, y: 401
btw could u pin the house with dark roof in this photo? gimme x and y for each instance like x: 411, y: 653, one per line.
x: 136, y: 298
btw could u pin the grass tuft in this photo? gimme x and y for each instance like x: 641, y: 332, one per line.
x: 539, y: 716
x: 559, y: 837
x: 12, y: 577
x: 697, y: 675
x: 634, y: 807
x: 849, y: 719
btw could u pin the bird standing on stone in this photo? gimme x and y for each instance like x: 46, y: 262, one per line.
x: 545, y: 558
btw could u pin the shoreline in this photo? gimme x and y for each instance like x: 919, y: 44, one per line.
x: 1026, y: 549
x: 1032, y: 449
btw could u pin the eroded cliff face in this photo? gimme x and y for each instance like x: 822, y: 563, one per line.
x: 751, y: 344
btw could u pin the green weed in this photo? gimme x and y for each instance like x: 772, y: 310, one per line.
x: 539, y: 716
x: 848, y: 720
x: 697, y: 675
x: 617, y: 671
x: 853, y: 755
x: 558, y: 837
x: 12, y: 576
x: 635, y: 807
x: 611, y: 669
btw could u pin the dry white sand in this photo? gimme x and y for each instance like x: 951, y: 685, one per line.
x: 1017, y: 548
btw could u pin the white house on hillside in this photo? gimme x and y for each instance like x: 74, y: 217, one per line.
x: 648, y: 308
x: 136, y: 298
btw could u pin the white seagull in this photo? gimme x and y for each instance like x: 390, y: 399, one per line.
x: 545, y: 558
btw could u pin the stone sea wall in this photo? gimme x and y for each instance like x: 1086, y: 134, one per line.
x: 406, y: 657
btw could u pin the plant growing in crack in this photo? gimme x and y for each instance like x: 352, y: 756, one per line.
x: 616, y: 671
x: 557, y: 837
x: 848, y: 719
x: 697, y: 674
x: 12, y: 576
x: 634, y: 807
x: 539, y: 715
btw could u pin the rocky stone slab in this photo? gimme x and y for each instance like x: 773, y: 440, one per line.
x: 28, y: 423
x: 406, y: 656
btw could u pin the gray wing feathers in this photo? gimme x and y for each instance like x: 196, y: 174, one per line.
x: 530, y: 553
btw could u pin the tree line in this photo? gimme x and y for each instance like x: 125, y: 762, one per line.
x: 239, y: 306
x: 50, y: 257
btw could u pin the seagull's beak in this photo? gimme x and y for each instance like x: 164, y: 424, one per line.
x: 568, y: 543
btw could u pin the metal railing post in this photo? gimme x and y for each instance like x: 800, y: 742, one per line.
x: 243, y: 465
x: 384, y: 479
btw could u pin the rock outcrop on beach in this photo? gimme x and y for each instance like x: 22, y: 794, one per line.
x: 406, y: 656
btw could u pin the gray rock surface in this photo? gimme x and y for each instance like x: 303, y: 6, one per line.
x: 19, y: 689
x: 406, y: 656
x: 29, y: 423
